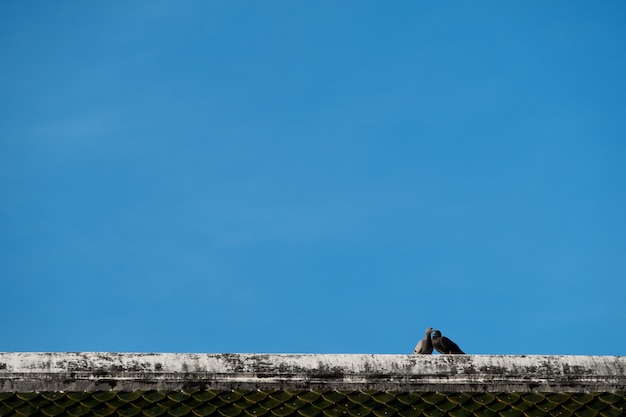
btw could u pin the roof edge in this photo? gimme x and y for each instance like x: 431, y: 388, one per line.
x: 102, y: 371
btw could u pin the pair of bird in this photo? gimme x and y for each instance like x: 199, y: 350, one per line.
x: 439, y: 342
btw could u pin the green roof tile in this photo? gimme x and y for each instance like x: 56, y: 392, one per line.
x: 129, y: 410
x: 311, y: 404
x: 612, y: 412
x: 79, y: 410
x: 460, y: 412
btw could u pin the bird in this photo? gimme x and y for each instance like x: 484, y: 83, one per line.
x: 444, y: 345
x: 424, y: 346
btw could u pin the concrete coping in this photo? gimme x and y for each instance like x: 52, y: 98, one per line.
x: 91, y: 371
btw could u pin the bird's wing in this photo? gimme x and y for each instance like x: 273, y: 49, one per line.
x: 438, y: 345
x: 450, y: 346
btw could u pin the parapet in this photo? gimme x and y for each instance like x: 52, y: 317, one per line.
x: 450, y: 373
x: 266, y: 385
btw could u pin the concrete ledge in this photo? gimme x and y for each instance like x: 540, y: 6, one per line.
x: 22, y: 372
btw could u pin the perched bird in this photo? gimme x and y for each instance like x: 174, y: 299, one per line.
x: 424, y: 346
x: 443, y: 344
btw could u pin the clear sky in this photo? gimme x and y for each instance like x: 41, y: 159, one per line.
x: 313, y: 177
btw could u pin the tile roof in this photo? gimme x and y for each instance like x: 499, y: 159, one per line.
x: 310, y: 403
x: 109, y: 384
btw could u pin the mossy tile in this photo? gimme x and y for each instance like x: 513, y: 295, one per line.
x: 408, y: 398
x: 322, y: 403
x: 548, y: 405
x: 586, y: 412
x: 508, y: 398
x: 597, y: 404
x: 372, y: 403
x: 205, y: 396
x: 154, y: 411
x: 433, y: 397
x: 27, y: 396
x: 229, y: 410
x: 420, y: 405
x: 309, y: 411
x: 218, y: 402
x: 510, y: 412
x: 90, y: 402
x: 612, y: 412
x: 79, y: 395
x: 205, y: 410
x: 141, y: 403
x: 283, y: 411
x: 53, y: 395
x: 483, y: 398
x: 459, y: 398
x: 64, y: 402
x: 309, y: 396
x: 296, y: 402
x: 116, y: 402
x: 485, y: 412
x: 558, y: 397
x: 103, y: 396
x: 179, y: 411
x: 384, y: 397
x: 434, y: 412
x: 53, y: 410
x: 534, y: 397
x: 535, y: 412
x: 230, y: 396
x: 383, y: 412
x: 78, y: 410
x: 256, y: 411
x: 358, y: 397
x: 583, y: 398
x: 5, y: 410
x: 128, y: 396
x: 128, y: 410
x: 346, y: 404
x: 103, y: 410
x: 27, y: 410
x: 192, y: 403
x: 410, y: 412
x: 270, y: 402
x: 281, y: 396
x: 611, y: 398
x: 255, y: 396
x: 244, y: 403
x: 178, y: 396
x: 460, y: 412
x: 472, y: 405
x: 334, y: 396
x: 571, y: 405
x: 446, y: 405
x: 359, y: 411
x: 561, y: 412
x: 40, y: 402
x: 334, y: 412
x: 14, y: 402
x: 154, y: 396
x: 6, y: 395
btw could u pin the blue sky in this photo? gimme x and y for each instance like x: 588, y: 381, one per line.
x: 313, y: 177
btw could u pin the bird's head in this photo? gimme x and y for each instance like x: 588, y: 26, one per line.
x: 436, y: 333
x: 429, y: 331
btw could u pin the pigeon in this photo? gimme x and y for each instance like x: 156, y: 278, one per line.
x: 424, y: 346
x: 444, y: 345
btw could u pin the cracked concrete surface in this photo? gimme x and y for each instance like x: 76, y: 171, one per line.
x: 88, y: 371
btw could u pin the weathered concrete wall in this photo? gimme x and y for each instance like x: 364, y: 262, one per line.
x: 449, y: 373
